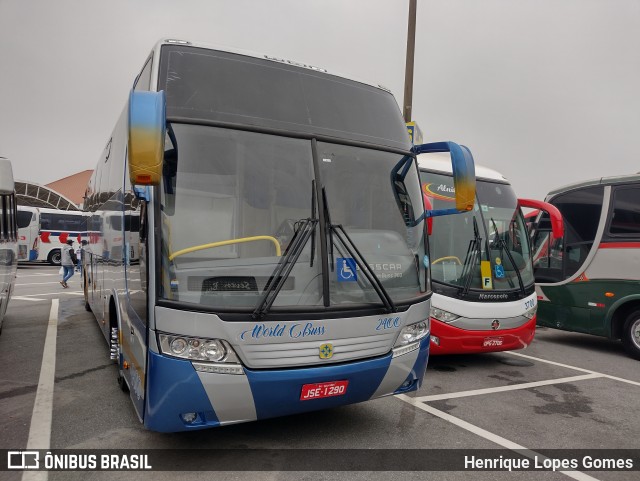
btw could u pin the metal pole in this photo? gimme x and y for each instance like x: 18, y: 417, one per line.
x: 408, y: 73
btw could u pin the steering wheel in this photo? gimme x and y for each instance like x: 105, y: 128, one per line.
x: 448, y: 258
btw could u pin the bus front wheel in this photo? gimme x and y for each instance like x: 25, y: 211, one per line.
x: 54, y: 257
x: 631, y: 334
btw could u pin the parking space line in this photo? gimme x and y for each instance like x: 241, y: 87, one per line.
x: 40, y: 428
x: 22, y: 298
x: 61, y: 292
x: 499, y: 440
x: 20, y: 276
x: 608, y: 376
x: 512, y: 387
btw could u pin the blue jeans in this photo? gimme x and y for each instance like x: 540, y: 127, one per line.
x: 68, y: 272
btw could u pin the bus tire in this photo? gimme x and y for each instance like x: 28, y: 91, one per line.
x: 122, y: 382
x: 631, y: 334
x: 54, y: 257
x: 87, y: 306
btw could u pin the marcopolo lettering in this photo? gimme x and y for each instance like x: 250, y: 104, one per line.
x: 493, y: 297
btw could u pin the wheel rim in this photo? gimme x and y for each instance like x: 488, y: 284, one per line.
x: 55, y: 258
x: 635, y: 333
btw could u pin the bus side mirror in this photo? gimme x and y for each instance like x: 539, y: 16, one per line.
x: 147, y: 123
x: 557, y: 223
x: 464, y: 175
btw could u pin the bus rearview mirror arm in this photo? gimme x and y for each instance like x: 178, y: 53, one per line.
x: 557, y: 223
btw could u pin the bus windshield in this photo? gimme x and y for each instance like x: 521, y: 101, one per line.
x: 494, y: 231
x: 232, y: 203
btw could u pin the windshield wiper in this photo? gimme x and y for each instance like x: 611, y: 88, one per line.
x: 473, y: 253
x: 503, y: 247
x: 356, y: 255
x: 304, y: 230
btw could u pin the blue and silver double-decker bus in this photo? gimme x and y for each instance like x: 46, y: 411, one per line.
x: 282, y: 260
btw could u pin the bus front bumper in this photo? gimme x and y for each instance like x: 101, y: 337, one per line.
x: 179, y: 398
x: 447, y: 339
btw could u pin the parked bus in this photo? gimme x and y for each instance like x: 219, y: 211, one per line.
x: 8, y: 236
x: 56, y: 227
x: 484, y: 297
x: 280, y: 271
x: 28, y: 219
x: 589, y: 280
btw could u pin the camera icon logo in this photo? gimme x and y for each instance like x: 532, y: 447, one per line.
x: 23, y: 460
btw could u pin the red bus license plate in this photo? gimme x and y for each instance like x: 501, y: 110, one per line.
x: 323, y: 389
x: 492, y: 341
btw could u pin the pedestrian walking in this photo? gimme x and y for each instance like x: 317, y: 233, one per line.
x: 68, y: 260
x: 78, y: 252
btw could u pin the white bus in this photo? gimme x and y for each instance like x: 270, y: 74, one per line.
x: 484, y: 297
x: 56, y: 227
x: 8, y: 236
x: 28, y: 219
x: 279, y: 270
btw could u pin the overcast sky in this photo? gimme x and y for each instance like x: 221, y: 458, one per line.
x: 545, y: 91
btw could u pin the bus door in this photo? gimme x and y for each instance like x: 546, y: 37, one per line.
x: 134, y: 323
x: 565, y: 291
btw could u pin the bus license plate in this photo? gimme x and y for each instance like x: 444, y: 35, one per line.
x: 323, y: 389
x: 492, y: 341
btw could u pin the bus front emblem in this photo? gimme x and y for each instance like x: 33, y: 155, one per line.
x: 495, y: 324
x: 326, y: 351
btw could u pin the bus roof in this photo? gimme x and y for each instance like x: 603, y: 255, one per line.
x: 262, y: 56
x: 619, y: 179
x: 441, y: 162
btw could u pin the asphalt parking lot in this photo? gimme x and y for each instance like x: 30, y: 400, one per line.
x: 566, y: 391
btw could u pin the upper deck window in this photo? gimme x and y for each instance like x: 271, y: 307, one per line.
x: 220, y: 86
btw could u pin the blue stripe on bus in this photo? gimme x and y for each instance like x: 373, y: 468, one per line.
x: 173, y: 388
x: 277, y: 392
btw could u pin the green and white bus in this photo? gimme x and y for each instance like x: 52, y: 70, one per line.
x: 589, y: 280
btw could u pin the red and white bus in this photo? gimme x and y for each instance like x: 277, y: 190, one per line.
x: 56, y: 227
x: 484, y: 296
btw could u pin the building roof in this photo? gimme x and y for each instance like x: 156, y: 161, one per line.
x: 73, y: 186
x: 64, y: 194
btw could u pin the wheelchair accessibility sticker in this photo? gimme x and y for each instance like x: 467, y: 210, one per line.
x: 498, y: 269
x: 346, y: 269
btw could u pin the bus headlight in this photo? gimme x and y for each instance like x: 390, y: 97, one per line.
x: 196, y: 348
x: 442, y: 315
x: 531, y: 312
x: 412, y: 333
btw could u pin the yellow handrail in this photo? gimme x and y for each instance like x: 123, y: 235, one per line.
x: 226, y: 243
x: 448, y: 258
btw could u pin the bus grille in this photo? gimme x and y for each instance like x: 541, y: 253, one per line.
x: 306, y: 353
